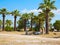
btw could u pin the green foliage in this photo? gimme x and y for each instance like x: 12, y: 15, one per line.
x: 47, y: 4
x: 8, y: 28
x: 0, y: 22
x: 8, y: 22
x: 4, y: 11
x: 57, y: 25
x: 8, y: 25
x: 20, y: 24
x: 31, y: 15
x: 39, y: 19
x: 36, y: 28
x: 46, y: 7
x: 25, y: 16
x: 15, y: 13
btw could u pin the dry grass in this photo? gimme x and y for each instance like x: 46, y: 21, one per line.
x: 16, y: 38
x: 51, y: 35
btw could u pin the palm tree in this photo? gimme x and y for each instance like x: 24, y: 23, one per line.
x: 47, y: 5
x: 3, y: 11
x: 41, y: 19
x: 15, y: 13
x: 31, y: 17
x: 51, y: 15
x: 20, y: 23
x: 8, y: 25
x: 25, y: 17
x: 36, y: 22
x: 8, y: 22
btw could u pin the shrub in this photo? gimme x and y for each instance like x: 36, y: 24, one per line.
x: 7, y: 28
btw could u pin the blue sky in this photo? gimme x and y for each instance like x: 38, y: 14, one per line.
x: 26, y: 5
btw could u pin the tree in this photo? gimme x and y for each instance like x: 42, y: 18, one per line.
x: 31, y: 17
x: 51, y: 15
x: 25, y: 17
x: 57, y: 25
x: 38, y: 21
x: 35, y: 23
x: 41, y: 19
x: 4, y: 12
x: 47, y: 5
x: 8, y: 22
x: 15, y: 13
x: 8, y: 25
x: 20, y: 23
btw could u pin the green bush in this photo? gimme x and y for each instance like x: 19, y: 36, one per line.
x: 57, y: 25
x: 7, y: 28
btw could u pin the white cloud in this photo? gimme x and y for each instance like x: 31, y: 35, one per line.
x: 56, y: 11
x: 34, y: 10
x: 24, y: 11
x: 28, y: 11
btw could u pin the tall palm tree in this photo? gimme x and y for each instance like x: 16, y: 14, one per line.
x: 3, y: 11
x: 15, y: 13
x: 47, y: 5
x: 31, y: 17
x: 41, y: 18
x: 25, y: 17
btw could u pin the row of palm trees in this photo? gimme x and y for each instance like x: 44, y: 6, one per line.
x: 46, y: 14
x: 4, y: 12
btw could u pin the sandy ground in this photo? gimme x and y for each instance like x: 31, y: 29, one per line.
x: 17, y: 39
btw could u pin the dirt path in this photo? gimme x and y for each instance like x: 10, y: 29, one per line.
x: 16, y: 39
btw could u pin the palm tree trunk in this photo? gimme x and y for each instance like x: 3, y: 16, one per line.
x: 15, y: 23
x: 47, y: 22
x: 31, y: 23
x: 24, y: 24
x: 3, y: 27
x: 39, y: 24
x: 25, y: 27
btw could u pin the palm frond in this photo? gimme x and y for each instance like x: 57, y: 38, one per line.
x: 53, y: 7
x: 41, y: 6
x: 52, y: 2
